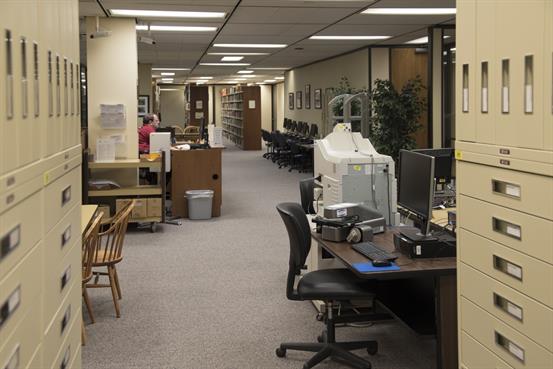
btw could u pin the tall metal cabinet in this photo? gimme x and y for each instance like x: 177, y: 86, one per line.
x: 40, y: 185
x: 504, y: 154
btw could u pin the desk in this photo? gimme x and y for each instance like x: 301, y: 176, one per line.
x: 87, y: 212
x: 442, y: 271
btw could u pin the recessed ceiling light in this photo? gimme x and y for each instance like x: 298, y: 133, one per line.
x: 205, y: 77
x: 167, y: 73
x: 164, y: 13
x: 241, y: 79
x: 270, y: 80
x: 261, y: 46
x: 245, y: 71
x: 410, y: 11
x: 167, y: 79
x: 259, y: 83
x: 170, y: 68
x: 232, y: 58
x: 169, y: 89
x: 279, y: 78
x: 247, y: 76
x: 422, y: 40
x: 238, y: 54
x: 275, y: 68
x: 231, y: 81
x: 349, y: 37
x: 226, y: 64
x: 177, y: 28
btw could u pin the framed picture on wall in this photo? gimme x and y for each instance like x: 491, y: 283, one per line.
x: 291, y: 101
x: 308, y: 96
x: 143, y: 105
x: 317, y: 98
x: 298, y: 100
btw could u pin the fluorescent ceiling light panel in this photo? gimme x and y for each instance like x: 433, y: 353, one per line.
x: 245, y: 71
x: 141, y: 27
x: 247, y: 54
x: 410, y: 11
x: 279, y: 78
x: 183, y: 28
x: 167, y: 73
x: 232, y: 58
x: 231, y: 81
x: 164, y: 13
x: 226, y: 64
x: 246, y: 76
x: 241, y: 79
x: 422, y: 40
x: 205, y: 77
x: 349, y: 37
x: 170, y: 68
x: 167, y: 79
x: 168, y: 89
x: 260, y: 46
x: 280, y: 68
x: 270, y: 80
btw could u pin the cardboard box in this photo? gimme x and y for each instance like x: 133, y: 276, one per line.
x: 154, y: 207
x: 140, y: 209
x: 120, y: 204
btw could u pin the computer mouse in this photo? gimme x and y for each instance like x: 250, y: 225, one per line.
x: 381, y: 263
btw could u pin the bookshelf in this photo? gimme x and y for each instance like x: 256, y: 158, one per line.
x: 241, y: 116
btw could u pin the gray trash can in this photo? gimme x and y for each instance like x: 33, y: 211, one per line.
x: 199, y: 203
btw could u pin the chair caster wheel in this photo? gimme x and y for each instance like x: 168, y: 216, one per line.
x: 320, y: 317
x: 280, y: 352
x: 373, y: 349
x: 321, y: 338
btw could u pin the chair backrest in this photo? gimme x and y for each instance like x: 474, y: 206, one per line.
x: 110, y: 244
x: 90, y: 241
x: 306, y: 195
x: 192, y: 130
x: 314, y: 131
x: 299, y: 235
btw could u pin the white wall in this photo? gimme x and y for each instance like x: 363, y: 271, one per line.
x: 112, y: 67
x: 380, y: 64
x: 322, y: 75
x: 266, y: 107
x: 145, y: 86
x: 172, y: 106
x: 280, y: 101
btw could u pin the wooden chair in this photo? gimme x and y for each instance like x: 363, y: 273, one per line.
x: 109, y: 252
x: 90, y: 239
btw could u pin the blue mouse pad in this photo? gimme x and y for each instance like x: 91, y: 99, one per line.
x: 369, y: 267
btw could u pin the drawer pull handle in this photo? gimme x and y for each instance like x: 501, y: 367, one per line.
x: 66, y: 236
x: 13, y: 361
x: 10, y: 306
x: 10, y: 241
x: 10, y: 198
x: 507, y: 267
x: 509, y: 346
x: 66, y: 318
x: 510, y: 308
x: 506, y: 188
x: 66, y: 277
x: 65, y: 362
x: 10, y: 181
x: 507, y: 228
x: 66, y: 196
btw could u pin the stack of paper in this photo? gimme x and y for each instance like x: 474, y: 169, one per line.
x: 113, y: 116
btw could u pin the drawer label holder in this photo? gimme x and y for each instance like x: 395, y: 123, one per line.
x: 10, y: 242
x: 507, y: 306
x: 10, y: 306
x: 509, y: 346
x: 507, y: 267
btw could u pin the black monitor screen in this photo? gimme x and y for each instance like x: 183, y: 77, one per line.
x: 443, y: 162
x: 416, y: 183
x: 167, y: 129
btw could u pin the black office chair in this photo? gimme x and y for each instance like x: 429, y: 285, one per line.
x: 327, y: 285
x: 306, y: 195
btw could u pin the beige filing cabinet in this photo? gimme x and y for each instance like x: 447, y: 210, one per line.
x: 40, y: 185
x: 504, y: 152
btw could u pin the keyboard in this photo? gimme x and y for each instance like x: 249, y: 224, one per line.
x: 373, y: 252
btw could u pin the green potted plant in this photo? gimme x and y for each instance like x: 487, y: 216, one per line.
x: 395, y: 116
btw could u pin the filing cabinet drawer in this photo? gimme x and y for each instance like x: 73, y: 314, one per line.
x: 16, y: 195
x: 61, y: 195
x: 22, y: 344
x: 527, y: 316
x: 18, y: 290
x: 60, y: 239
x: 59, y: 279
x: 516, y: 190
x: 62, y: 169
x: 20, y: 176
x: 476, y: 356
x: 59, y: 328
x: 514, y: 348
x: 69, y: 348
x: 20, y: 230
x: 36, y: 361
x: 519, y: 271
x: 528, y: 234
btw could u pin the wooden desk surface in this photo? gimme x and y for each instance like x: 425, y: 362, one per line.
x: 87, y: 212
x: 408, y: 267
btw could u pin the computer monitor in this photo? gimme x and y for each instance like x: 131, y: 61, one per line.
x: 203, y: 130
x: 443, y: 163
x: 170, y: 130
x: 416, y: 189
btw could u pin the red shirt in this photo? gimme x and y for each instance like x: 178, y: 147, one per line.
x: 144, y: 138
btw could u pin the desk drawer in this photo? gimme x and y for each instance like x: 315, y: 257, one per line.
x: 20, y: 230
x: 69, y: 348
x: 60, y: 326
x: 18, y: 290
x: 22, y: 344
x: 59, y: 279
x: 518, y: 311
x: 519, y: 271
x: 525, y: 233
x: 476, y: 356
x: 514, y: 348
x: 516, y: 190
x: 61, y: 195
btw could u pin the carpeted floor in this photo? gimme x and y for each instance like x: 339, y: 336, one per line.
x: 211, y: 294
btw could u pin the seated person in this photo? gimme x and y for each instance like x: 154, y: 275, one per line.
x: 150, y: 122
